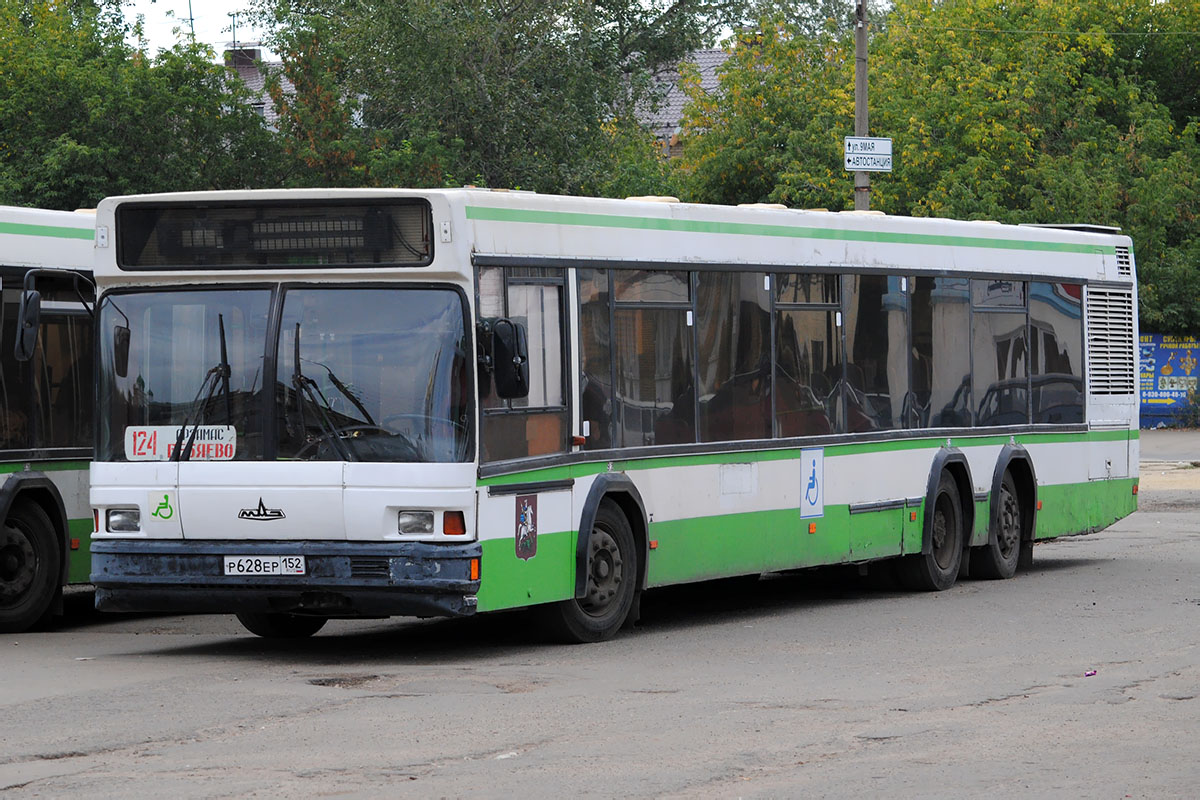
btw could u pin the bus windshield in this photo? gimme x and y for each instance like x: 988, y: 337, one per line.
x: 362, y: 374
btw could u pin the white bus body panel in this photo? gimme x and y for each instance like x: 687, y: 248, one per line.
x: 376, y: 493
x: 250, y: 500
x: 143, y: 486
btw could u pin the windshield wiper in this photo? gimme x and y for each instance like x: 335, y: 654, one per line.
x: 308, y: 388
x: 345, y: 390
x: 217, y: 376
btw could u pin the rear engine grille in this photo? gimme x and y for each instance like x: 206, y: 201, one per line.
x: 1124, y: 263
x: 1110, y: 357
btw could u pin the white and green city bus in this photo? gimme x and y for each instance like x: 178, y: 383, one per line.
x: 364, y: 403
x: 45, y: 413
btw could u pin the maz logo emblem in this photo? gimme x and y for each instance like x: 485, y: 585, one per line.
x: 261, y: 513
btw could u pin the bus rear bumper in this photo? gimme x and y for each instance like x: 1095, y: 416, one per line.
x: 341, y: 579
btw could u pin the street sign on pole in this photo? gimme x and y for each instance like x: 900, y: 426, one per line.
x: 866, y: 154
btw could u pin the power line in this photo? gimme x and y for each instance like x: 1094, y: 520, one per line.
x: 1018, y: 31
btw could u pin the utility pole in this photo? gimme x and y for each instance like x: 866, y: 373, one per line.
x: 233, y: 28
x: 192, y: 21
x: 862, y: 179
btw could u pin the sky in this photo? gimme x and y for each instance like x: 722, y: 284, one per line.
x: 211, y: 19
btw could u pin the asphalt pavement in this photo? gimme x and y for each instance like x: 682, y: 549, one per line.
x: 1170, y: 444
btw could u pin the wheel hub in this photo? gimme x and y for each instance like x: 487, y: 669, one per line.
x: 17, y: 564
x: 943, y: 548
x: 1010, y: 523
x: 604, y: 579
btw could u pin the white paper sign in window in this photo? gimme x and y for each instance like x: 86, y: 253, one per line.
x: 158, y: 442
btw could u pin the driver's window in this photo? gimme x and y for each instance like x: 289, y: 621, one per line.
x: 373, y: 375
x: 535, y: 425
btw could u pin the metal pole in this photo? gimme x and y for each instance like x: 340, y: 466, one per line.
x: 233, y: 28
x: 191, y: 21
x: 862, y: 179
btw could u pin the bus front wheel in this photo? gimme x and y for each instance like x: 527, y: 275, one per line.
x: 29, y: 567
x: 280, y: 626
x: 612, y: 574
x: 937, y: 570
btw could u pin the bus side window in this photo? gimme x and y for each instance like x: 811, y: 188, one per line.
x: 1056, y: 351
x: 808, y: 354
x: 62, y: 385
x: 876, y: 354
x: 941, y: 354
x: 535, y: 425
x: 595, y: 356
x: 733, y: 331
x: 14, y: 394
x: 1001, y: 352
x: 655, y: 393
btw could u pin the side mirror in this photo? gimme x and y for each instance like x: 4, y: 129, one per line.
x: 510, y: 358
x: 121, y: 350
x: 28, y: 321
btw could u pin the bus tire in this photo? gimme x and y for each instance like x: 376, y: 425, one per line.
x: 280, y: 626
x: 611, y: 582
x: 937, y: 569
x: 30, y: 565
x: 997, y: 560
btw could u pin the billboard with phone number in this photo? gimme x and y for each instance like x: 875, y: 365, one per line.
x: 1167, y: 374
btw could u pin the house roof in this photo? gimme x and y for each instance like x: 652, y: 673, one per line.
x: 243, y: 58
x: 665, y: 120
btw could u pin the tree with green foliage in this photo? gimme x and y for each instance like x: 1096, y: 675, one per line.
x: 84, y: 115
x: 770, y: 132
x: 1018, y: 111
x: 518, y: 95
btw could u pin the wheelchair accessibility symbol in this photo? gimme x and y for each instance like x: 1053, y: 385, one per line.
x: 812, y: 502
x: 164, y: 510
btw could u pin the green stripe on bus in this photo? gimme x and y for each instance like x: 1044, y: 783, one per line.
x: 747, y: 456
x: 52, y: 231
x: 581, y: 219
x: 1071, y: 508
x: 763, y: 541
x: 42, y: 466
x: 79, y: 560
x: 507, y: 581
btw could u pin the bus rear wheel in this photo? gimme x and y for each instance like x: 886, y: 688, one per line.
x: 29, y: 567
x: 612, y: 576
x: 937, y: 570
x: 280, y: 626
x: 998, y: 558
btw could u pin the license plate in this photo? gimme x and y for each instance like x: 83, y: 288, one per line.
x: 264, y: 565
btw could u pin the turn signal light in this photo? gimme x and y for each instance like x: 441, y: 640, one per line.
x: 812, y: 527
x: 474, y: 569
x: 1135, y: 488
x: 453, y: 523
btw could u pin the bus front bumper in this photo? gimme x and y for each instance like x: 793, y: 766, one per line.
x: 341, y: 579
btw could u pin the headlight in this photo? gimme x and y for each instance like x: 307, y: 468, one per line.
x: 415, y: 522
x: 124, y: 520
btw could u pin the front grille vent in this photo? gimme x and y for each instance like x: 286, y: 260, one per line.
x: 1124, y: 263
x: 369, y: 567
x: 1110, y: 359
